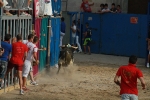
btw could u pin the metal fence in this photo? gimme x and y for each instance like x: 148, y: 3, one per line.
x: 14, y: 25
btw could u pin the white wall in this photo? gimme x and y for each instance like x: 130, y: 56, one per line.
x: 74, y: 5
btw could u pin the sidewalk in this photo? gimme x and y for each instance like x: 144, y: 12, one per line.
x: 106, y: 59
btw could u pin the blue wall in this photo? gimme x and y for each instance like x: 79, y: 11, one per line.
x: 115, y: 34
x: 55, y: 37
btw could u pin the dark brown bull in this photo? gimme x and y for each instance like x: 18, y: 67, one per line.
x: 66, y: 56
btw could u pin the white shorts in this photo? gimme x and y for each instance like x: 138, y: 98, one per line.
x: 26, y: 68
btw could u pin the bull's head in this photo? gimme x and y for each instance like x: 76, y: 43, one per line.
x: 68, y: 46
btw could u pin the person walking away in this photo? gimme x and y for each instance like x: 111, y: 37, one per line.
x: 74, y: 30
x: 87, y: 39
x: 129, y: 75
x: 63, y: 28
x: 19, y: 53
x: 5, y: 57
x: 78, y: 35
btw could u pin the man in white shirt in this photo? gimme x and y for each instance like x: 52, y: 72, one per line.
x: 32, y: 53
x: 74, y: 29
x: 106, y: 9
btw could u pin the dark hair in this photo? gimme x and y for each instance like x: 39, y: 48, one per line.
x: 7, y: 37
x: 62, y: 19
x: 113, y: 4
x: 118, y: 5
x: 106, y: 4
x: 87, y: 23
x: 36, y: 39
x: 132, y: 59
x: 30, y: 36
x: 19, y: 37
x: 74, y: 21
x: 102, y: 5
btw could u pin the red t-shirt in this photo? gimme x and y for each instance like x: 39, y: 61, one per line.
x: 129, y: 75
x: 86, y: 7
x: 18, y: 52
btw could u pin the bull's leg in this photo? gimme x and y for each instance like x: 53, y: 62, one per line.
x: 59, y: 66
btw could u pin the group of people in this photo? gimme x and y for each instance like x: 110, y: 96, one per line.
x: 105, y: 9
x: 19, y: 4
x: 19, y: 55
x: 86, y: 7
x: 77, y: 34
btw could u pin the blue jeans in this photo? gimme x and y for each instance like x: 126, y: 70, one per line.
x: 73, y: 40
x: 3, y: 68
x: 129, y: 97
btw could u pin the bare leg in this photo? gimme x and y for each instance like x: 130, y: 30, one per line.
x: 20, y: 79
x: 31, y: 76
x: 29, y: 2
x: 85, y: 49
x: 89, y: 49
x: 24, y: 81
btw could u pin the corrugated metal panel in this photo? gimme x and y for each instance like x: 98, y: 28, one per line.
x: 55, y: 40
x: 118, y: 36
x: 43, y: 42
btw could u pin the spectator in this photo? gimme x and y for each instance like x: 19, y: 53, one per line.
x: 148, y: 40
x: 5, y: 56
x: 129, y: 75
x: 74, y: 30
x: 118, y: 9
x: 19, y: 52
x: 106, y: 9
x: 32, y: 53
x: 113, y: 8
x: 1, y: 3
x: 101, y: 7
x: 86, y: 6
x: 87, y: 39
x: 62, y: 32
x: 78, y: 36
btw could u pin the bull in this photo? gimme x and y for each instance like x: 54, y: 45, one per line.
x: 66, y: 56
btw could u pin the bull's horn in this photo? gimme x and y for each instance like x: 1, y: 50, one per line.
x: 62, y: 46
x: 74, y: 47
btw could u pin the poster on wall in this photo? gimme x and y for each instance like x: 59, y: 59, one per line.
x: 36, y: 8
x: 45, y: 7
x: 48, y: 7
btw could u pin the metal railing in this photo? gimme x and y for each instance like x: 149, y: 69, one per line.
x: 14, y: 25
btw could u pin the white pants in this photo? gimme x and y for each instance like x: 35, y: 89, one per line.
x: 61, y: 37
x: 26, y: 68
x: 77, y: 42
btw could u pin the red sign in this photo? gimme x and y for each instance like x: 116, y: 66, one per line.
x: 36, y: 8
x: 134, y: 20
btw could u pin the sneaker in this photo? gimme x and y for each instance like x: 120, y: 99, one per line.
x: 147, y: 65
x: 8, y: 14
x: 25, y: 14
x: 80, y: 52
x: 75, y: 52
x: 21, y: 92
x: 29, y: 8
x: 33, y: 83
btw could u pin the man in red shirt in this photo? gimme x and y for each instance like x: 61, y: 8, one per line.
x: 129, y: 75
x: 19, y: 53
x: 86, y: 6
